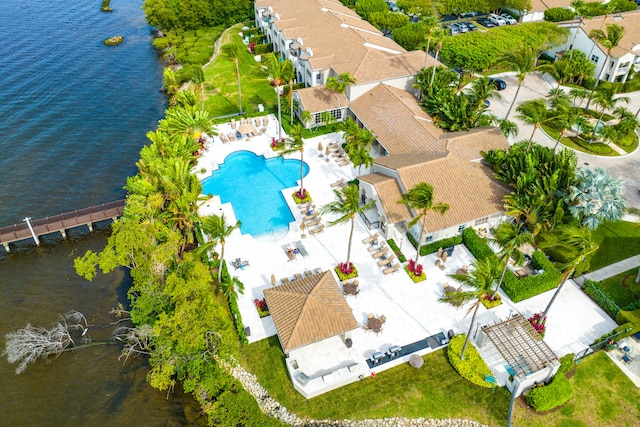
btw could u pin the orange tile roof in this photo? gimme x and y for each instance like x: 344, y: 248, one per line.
x: 388, y: 193
x: 469, y: 144
x: 630, y: 21
x: 309, y: 310
x: 318, y: 99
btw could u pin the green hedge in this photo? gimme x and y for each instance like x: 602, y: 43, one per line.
x: 550, y: 396
x: 593, y: 290
x: 258, y: 39
x: 518, y: 289
x: 558, y: 14
x: 444, y: 243
x: 396, y: 250
x: 567, y: 363
x: 233, y: 303
x: 261, y: 49
x: 473, y: 368
x: 250, y: 32
x: 633, y: 317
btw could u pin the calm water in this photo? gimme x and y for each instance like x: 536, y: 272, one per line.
x: 74, y: 117
x: 260, y: 212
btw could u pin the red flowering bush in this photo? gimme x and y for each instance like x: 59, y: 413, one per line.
x: 277, y: 144
x: 261, y: 306
x: 538, y: 324
x: 252, y: 47
x: 489, y: 301
x: 346, y: 271
x: 415, y: 271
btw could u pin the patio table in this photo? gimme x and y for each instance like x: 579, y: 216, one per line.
x: 350, y: 289
x: 375, y: 324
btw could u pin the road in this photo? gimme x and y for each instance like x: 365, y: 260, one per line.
x: 536, y: 86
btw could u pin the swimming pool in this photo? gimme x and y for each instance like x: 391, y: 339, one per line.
x: 253, y: 184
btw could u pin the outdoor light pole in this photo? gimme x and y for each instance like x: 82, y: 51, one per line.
x: 33, y: 233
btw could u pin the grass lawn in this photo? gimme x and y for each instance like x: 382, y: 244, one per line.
x: 433, y: 391
x: 622, y: 295
x: 577, y: 144
x: 221, y: 85
x: 618, y: 240
x: 602, y: 396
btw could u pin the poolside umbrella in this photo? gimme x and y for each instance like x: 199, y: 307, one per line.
x: 439, y: 253
x: 273, y: 279
x: 247, y: 128
x: 320, y: 146
x: 327, y: 151
x: 444, y: 256
x: 302, y: 227
x: 416, y: 361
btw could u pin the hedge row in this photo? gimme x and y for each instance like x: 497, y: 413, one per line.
x: 249, y: 32
x: 396, y: 250
x: 473, y: 368
x: 261, y: 49
x: 444, y: 243
x: 550, y: 396
x: 592, y: 289
x: 233, y: 306
x: 518, y: 289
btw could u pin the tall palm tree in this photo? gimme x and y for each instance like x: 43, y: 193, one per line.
x: 577, y: 241
x: 435, y: 31
x: 433, y: 72
x: 609, y: 40
x: 605, y: 98
x: 188, y: 121
x: 578, y: 93
x: 510, y: 236
x: 580, y: 8
x: 566, y: 118
x: 197, y: 77
x: 534, y: 113
x: 216, y: 227
x: 482, y: 277
x: 280, y: 72
x: 558, y: 97
x: 508, y: 128
x: 294, y: 144
x: 481, y: 90
x: 628, y: 122
x: 347, y: 206
x: 420, y: 199
x: 232, y: 52
x: 523, y: 60
x: 340, y: 84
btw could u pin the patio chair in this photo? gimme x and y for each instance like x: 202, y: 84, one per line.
x: 370, y: 316
x: 313, y: 222
x: 383, y: 318
x: 298, y: 276
x: 265, y: 121
x: 313, y: 215
x: 380, y: 253
x: 317, y: 229
x: 386, y: 261
x: 284, y: 280
x: 374, y: 247
x: 344, y: 162
x: 262, y: 130
x: 392, y: 269
x: 232, y: 137
x: 370, y: 239
x: 318, y: 270
x: 338, y: 183
x: 308, y: 273
x: 438, y: 262
x: 301, y: 248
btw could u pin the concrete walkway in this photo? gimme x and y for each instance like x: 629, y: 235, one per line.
x: 611, y: 270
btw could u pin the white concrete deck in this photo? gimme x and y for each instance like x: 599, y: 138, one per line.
x: 632, y: 368
x: 412, y: 310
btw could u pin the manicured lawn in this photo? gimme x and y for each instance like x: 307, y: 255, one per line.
x: 602, y: 396
x: 433, y: 391
x: 621, y: 294
x: 578, y: 145
x: 222, y: 83
x: 618, y: 240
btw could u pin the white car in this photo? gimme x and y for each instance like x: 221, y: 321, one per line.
x: 508, y: 19
x: 497, y: 20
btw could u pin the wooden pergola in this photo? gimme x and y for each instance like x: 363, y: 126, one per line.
x: 520, y: 345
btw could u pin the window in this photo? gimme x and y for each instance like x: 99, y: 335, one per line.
x: 595, y: 58
x: 461, y: 228
x: 317, y: 118
x: 429, y: 238
x: 337, y: 114
x: 482, y: 221
x: 319, y: 78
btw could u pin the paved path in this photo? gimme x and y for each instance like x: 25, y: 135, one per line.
x: 612, y: 270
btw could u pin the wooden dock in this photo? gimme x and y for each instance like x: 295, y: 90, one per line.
x: 32, y: 229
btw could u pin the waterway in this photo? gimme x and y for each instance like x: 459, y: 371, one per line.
x: 74, y: 117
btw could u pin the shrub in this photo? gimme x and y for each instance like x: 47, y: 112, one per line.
x: 550, y: 396
x: 249, y: 32
x: 301, y: 196
x: 473, y: 368
x: 259, y: 39
x: 558, y: 14
x: 114, y: 41
x: 489, y: 302
x: 396, y: 250
x: 593, y: 290
x: 415, y: 271
x: 261, y: 306
x: 476, y: 244
x: 261, y: 49
x: 632, y: 317
x: 538, y: 324
x: 346, y: 272
x: 444, y: 243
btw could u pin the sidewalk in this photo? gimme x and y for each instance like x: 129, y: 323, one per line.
x: 610, y: 270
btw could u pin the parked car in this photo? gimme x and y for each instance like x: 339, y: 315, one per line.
x: 509, y: 19
x: 452, y: 28
x: 393, y: 7
x: 471, y: 26
x: 496, y: 19
x: 462, y: 28
x: 498, y: 83
x: 485, y: 22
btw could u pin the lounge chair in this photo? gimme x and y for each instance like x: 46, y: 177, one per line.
x: 317, y: 229
x: 313, y: 222
x: 318, y: 270
x: 298, y: 276
x: 301, y: 248
x: 380, y: 253
x: 313, y: 215
x: 338, y: 153
x: 261, y: 131
x: 289, y: 252
x: 370, y: 239
x: 338, y: 183
x: 308, y: 273
x: 344, y: 162
x: 387, y: 260
x: 265, y: 121
x: 375, y: 248
x: 284, y: 280
x: 391, y: 269
x: 232, y: 137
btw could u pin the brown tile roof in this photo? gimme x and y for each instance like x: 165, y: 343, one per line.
x: 309, y: 310
x: 468, y: 187
x: 341, y: 40
x: 541, y: 5
x: 469, y: 144
x: 630, y: 21
x: 397, y: 120
x: 318, y: 99
x: 388, y: 193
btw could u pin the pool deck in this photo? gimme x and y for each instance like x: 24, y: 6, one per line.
x: 412, y: 310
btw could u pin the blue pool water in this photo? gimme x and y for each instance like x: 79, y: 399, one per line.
x: 253, y: 184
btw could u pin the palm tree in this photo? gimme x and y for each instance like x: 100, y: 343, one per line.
x: 510, y: 236
x: 197, y: 77
x: 294, y: 144
x: 191, y: 122
x: 482, y: 276
x: 433, y: 72
x: 578, y: 93
x: 558, y: 97
x: 231, y: 287
x: 340, y: 84
x: 596, y: 197
x: 628, y: 122
x: 420, y: 199
x: 580, y: 8
x: 218, y: 230
x: 232, y: 52
x: 534, y: 113
x: 481, y: 90
x: 524, y: 61
x: 566, y: 118
x: 432, y: 23
x: 508, y: 128
x: 280, y: 72
x: 577, y: 241
x: 347, y: 206
x: 609, y: 40
x: 605, y: 98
